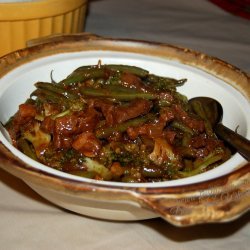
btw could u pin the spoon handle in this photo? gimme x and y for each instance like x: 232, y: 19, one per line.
x: 235, y: 140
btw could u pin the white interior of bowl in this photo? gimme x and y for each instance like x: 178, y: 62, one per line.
x: 16, y: 86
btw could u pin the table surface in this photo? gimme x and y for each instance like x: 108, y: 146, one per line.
x: 27, y: 221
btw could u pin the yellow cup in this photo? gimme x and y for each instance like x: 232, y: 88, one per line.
x: 23, y: 21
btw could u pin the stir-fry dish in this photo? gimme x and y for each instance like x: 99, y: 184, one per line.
x: 116, y: 123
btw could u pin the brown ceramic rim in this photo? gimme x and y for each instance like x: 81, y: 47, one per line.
x: 220, y: 199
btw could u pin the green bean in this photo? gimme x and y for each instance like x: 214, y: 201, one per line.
x: 198, y: 108
x: 129, y: 69
x: 180, y: 82
x: 186, y: 151
x: 62, y: 114
x: 152, y: 171
x: 25, y: 147
x: 188, y: 165
x: 129, y: 179
x: 51, y: 77
x: 167, y: 80
x: 117, y: 92
x: 93, y: 72
x: 164, y: 102
x: 56, y: 89
x: 164, y: 83
x: 201, y: 164
x: 85, y: 74
x: 181, y: 99
x: 49, y: 96
x: 84, y: 173
x: 186, y: 139
x: 182, y: 127
x: 83, y: 68
x: 122, y: 127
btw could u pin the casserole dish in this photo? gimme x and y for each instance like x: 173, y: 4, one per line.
x: 221, y: 194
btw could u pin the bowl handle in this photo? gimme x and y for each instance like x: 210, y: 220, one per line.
x: 60, y: 38
x: 219, y: 200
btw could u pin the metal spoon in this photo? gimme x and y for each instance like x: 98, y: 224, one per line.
x: 214, y: 112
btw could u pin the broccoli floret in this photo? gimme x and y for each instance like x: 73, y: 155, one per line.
x: 39, y: 139
x: 126, y: 154
x: 163, y: 153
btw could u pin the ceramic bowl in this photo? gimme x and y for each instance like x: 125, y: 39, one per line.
x: 23, y: 20
x: 221, y: 194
